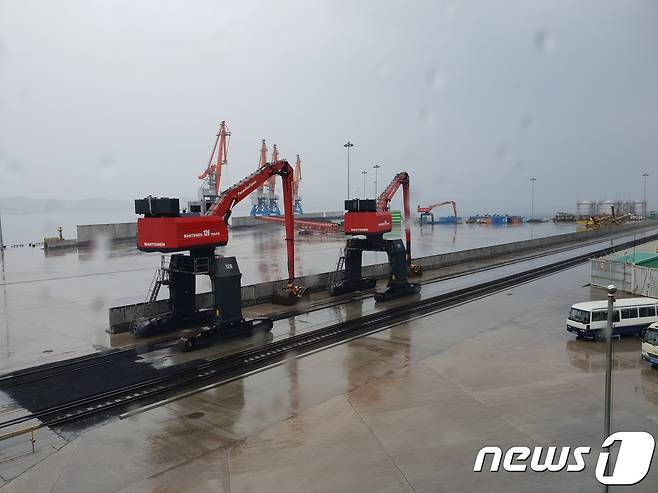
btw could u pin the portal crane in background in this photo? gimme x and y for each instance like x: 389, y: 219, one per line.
x: 372, y: 219
x: 426, y: 212
x: 212, y: 175
x: 271, y: 187
x: 164, y: 229
x: 297, y: 207
x: 260, y: 204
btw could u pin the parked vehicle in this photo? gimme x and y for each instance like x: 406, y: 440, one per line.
x: 630, y: 316
x: 650, y: 344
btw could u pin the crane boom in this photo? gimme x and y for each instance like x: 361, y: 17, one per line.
x: 401, y: 179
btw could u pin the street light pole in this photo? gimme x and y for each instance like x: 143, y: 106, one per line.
x: 644, y: 195
x: 376, y: 166
x: 364, y: 173
x: 348, y: 145
x: 532, y: 200
x: 607, y: 418
x: 2, y: 243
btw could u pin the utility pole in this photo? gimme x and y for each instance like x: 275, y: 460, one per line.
x: 607, y: 419
x: 644, y: 195
x: 376, y: 166
x: 2, y: 243
x: 348, y: 145
x: 364, y: 173
x: 532, y: 200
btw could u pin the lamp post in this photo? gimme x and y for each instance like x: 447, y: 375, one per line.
x: 2, y: 244
x: 376, y: 167
x: 364, y: 173
x: 348, y: 145
x: 532, y: 200
x: 644, y: 195
x: 607, y: 419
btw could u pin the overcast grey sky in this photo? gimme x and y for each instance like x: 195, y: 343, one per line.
x: 121, y: 99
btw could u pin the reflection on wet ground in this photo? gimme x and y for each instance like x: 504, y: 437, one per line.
x: 54, y: 304
x: 404, y: 409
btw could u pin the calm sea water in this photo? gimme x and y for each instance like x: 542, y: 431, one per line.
x: 26, y: 228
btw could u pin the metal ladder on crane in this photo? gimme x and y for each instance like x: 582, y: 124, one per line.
x: 159, y: 279
x: 336, y: 275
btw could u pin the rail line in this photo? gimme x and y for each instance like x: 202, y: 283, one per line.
x: 253, y: 359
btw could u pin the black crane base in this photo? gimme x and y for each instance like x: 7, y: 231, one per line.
x: 351, y: 285
x: 397, y: 291
x: 167, y: 322
x: 205, y: 336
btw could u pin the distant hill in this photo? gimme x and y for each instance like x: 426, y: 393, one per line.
x: 25, y: 205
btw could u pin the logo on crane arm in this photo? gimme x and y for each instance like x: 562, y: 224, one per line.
x: 636, y: 450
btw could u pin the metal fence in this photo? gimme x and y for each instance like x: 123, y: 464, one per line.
x: 627, y: 277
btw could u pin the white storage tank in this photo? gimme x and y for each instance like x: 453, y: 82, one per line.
x: 606, y: 207
x: 640, y: 208
x: 629, y: 207
x: 585, y: 208
x: 619, y: 207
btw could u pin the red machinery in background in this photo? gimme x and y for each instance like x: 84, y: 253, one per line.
x: 164, y: 229
x: 427, y: 211
x: 372, y: 219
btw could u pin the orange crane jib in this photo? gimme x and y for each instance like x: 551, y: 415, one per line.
x: 179, y: 233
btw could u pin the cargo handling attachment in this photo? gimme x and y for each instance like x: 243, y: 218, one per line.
x: 164, y: 229
x: 371, y: 219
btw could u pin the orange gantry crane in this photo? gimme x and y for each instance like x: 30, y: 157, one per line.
x: 213, y: 172
x: 426, y: 212
x: 164, y: 229
x: 297, y: 207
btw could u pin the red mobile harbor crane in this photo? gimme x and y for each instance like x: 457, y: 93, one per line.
x: 427, y: 211
x: 372, y: 219
x: 164, y: 229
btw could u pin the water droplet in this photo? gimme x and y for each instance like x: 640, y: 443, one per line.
x: 544, y: 41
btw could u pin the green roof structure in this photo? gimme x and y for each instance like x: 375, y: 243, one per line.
x: 642, y: 259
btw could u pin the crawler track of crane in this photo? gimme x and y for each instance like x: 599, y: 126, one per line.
x: 241, y: 363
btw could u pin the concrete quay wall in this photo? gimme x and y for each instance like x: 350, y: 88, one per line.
x: 112, y: 232
x: 120, y: 316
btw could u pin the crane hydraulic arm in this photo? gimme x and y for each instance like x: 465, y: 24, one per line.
x: 168, y: 231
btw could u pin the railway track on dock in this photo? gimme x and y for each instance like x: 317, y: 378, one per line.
x: 108, y: 403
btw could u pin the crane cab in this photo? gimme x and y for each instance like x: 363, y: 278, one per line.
x: 163, y: 229
x: 363, y: 218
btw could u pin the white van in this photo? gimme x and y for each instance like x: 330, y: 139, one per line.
x: 650, y: 344
x: 630, y: 316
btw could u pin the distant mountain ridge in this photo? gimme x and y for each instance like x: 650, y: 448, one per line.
x: 26, y: 205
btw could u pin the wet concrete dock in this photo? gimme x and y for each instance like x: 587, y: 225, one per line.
x: 405, y: 409
x: 54, y: 304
